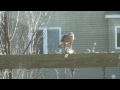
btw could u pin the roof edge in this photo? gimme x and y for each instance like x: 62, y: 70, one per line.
x: 112, y: 16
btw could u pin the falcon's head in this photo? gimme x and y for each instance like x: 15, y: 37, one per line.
x: 71, y: 33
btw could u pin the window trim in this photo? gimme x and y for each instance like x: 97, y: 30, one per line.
x: 59, y: 28
x: 116, y: 37
x: 45, y: 51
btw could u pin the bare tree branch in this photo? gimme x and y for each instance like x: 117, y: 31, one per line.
x: 15, y: 27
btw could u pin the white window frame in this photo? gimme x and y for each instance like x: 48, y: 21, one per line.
x: 45, y: 50
x: 45, y: 44
x: 116, y: 37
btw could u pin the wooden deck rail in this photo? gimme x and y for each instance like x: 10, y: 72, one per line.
x: 58, y: 61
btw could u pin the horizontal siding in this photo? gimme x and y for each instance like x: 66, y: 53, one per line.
x: 88, y: 26
x: 112, y: 13
x: 21, y: 30
x: 112, y: 71
x: 23, y: 20
x: 112, y: 24
x: 66, y: 73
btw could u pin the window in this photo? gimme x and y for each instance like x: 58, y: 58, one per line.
x: 117, y: 37
x: 0, y: 16
x: 47, y: 41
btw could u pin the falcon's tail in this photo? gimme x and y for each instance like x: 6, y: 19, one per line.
x: 61, y: 45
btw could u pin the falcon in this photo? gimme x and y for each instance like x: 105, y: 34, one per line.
x: 67, y: 38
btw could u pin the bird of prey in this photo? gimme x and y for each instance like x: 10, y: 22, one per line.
x: 67, y: 38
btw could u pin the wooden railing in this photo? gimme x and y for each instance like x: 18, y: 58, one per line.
x: 58, y: 61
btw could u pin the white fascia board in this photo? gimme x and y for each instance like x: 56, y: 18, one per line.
x: 112, y: 16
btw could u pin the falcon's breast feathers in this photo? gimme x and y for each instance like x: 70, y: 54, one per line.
x: 66, y: 38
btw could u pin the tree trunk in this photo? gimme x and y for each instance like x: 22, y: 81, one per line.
x: 6, y: 36
x: 6, y: 32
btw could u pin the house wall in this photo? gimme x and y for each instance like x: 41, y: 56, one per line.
x: 112, y: 24
x: 24, y: 24
x: 89, y: 27
x: 66, y: 73
x: 18, y: 28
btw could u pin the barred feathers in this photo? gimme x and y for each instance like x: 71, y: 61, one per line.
x: 61, y: 45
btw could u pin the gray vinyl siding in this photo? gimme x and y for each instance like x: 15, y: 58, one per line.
x: 112, y: 13
x: 66, y: 73
x: 21, y: 30
x: 112, y: 24
x: 23, y: 25
x: 89, y: 27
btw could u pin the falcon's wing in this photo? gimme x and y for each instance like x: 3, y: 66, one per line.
x: 63, y: 37
x: 62, y: 43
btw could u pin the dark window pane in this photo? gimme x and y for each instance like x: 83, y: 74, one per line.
x: 38, y: 42
x: 53, y: 41
x: 118, y: 37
